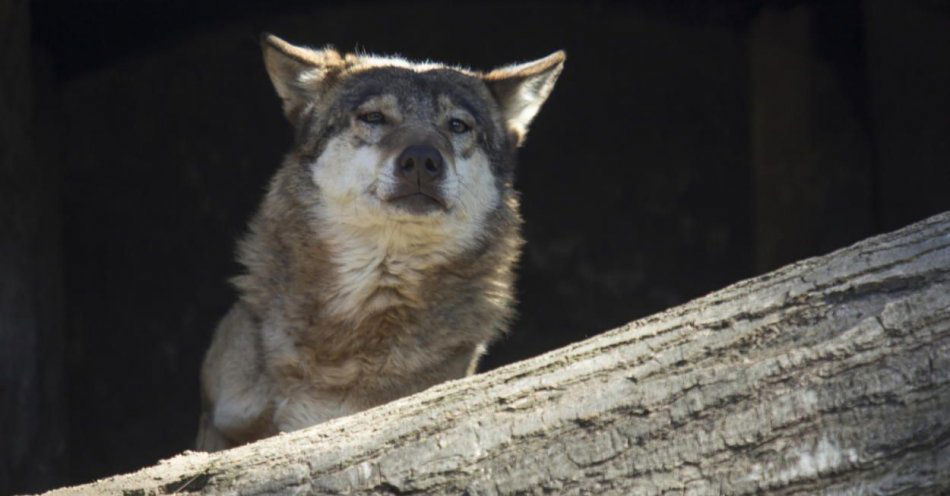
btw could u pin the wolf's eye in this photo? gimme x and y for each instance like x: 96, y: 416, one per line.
x: 458, y: 126
x: 372, y: 118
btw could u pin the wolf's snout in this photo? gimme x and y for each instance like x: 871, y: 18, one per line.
x: 419, y: 170
x: 420, y: 165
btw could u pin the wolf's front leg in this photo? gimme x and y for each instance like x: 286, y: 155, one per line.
x: 209, y: 437
x: 237, y: 394
x: 304, y: 408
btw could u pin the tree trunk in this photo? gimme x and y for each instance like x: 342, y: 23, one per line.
x: 828, y: 376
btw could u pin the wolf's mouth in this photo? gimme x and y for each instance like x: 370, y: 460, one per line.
x: 419, y: 202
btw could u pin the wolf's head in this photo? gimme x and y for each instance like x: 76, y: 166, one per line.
x: 388, y: 143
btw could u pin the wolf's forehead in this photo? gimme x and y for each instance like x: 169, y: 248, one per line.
x: 417, y: 91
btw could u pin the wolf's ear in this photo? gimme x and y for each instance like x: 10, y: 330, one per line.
x: 520, y: 89
x: 298, y: 73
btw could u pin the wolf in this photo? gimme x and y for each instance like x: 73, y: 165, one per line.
x: 382, y: 258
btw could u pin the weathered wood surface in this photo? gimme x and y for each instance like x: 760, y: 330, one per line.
x: 829, y: 376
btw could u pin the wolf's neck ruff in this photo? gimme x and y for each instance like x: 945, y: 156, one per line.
x: 385, y: 265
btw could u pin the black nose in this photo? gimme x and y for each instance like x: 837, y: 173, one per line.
x: 420, y: 164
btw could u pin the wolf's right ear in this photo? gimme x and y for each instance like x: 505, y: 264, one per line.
x: 299, y: 74
x: 521, y: 89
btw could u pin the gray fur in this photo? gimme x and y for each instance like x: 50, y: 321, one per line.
x: 347, y: 301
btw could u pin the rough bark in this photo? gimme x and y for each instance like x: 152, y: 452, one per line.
x: 828, y: 376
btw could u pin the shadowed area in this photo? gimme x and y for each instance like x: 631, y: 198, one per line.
x: 687, y: 145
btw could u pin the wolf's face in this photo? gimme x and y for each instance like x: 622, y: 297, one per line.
x: 388, y: 143
x: 411, y: 145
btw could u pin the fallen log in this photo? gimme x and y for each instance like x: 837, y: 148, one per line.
x: 828, y: 376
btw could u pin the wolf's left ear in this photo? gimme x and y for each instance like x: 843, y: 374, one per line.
x: 521, y: 89
x: 299, y: 74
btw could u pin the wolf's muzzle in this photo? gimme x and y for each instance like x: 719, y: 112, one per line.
x: 419, y: 170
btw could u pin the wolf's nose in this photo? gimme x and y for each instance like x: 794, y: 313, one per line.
x: 420, y: 164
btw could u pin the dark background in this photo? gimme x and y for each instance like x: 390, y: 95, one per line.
x: 687, y: 145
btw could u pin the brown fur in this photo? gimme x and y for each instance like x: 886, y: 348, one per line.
x: 291, y: 352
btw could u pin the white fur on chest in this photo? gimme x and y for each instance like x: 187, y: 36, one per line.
x: 373, y: 275
x: 382, y: 261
